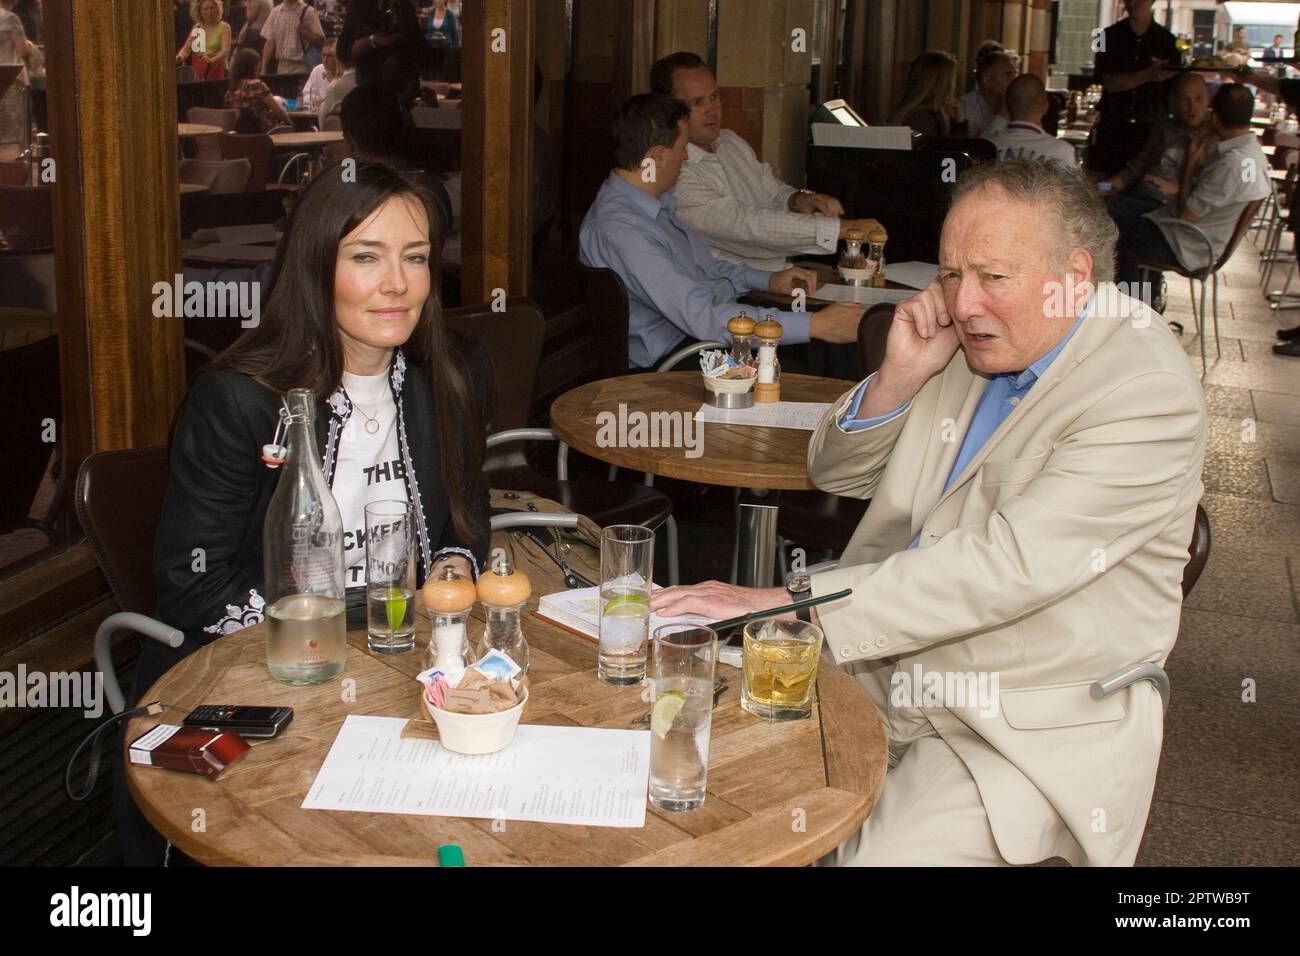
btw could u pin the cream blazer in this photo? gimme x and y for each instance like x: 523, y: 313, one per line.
x: 1055, y: 559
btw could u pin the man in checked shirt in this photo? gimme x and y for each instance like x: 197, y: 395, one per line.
x: 730, y: 199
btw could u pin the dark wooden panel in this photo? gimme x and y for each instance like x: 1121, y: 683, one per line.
x: 497, y: 138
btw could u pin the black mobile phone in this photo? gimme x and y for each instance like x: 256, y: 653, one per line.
x: 245, y: 721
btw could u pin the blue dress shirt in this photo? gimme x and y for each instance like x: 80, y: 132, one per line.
x: 1001, y: 396
x: 675, y: 288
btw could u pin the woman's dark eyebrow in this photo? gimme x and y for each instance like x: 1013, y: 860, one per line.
x: 380, y: 244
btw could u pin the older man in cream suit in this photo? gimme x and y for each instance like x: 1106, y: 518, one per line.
x: 1032, y: 448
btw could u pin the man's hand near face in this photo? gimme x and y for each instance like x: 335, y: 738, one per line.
x: 922, y: 341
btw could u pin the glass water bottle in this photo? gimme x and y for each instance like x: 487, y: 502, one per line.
x: 302, y: 560
x: 504, y: 591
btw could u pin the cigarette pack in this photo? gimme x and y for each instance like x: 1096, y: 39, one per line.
x: 189, y: 749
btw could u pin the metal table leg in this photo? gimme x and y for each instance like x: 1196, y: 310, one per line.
x: 756, y: 537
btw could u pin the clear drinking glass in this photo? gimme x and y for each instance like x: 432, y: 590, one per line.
x: 779, y: 664
x: 390, y: 577
x: 626, y: 564
x: 682, y: 715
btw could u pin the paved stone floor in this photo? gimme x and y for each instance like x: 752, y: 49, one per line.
x: 1228, y: 791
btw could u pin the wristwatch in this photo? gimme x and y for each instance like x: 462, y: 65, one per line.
x: 799, y: 587
x: 798, y: 192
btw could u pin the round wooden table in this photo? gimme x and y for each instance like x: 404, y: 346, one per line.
x: 735, y: 456
x: 778, y: 794
x: 756, y: 460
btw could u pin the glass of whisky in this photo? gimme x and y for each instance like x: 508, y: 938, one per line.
x: 779, y: 666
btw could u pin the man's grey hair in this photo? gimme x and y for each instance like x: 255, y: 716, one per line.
x: 1067, y: 200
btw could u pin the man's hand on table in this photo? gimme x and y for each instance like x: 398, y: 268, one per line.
x: 716, y: 600
x: 922, y: 341
x: 837, y: 323
x: 785, y: 281
x: 809, y: 203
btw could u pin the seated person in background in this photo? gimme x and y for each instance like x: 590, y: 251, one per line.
x: 984, y: 106
x: 1172, y: 156
x: 676, y: 290
x: 1044, y: 549
x: 730, y: 199
x: 351, y: 316
x: 259, y: 110
x: 1236, y: 176
x: 1275, y: 52
x: 929, y: 104
x: 1024, y: 138
x: 339, y: 89
x: 322, y: 77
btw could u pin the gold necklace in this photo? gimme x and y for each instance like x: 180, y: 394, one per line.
x: 372, y: 423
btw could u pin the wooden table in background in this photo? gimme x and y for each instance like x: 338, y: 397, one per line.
x: 308, y: 140
x: 778, y: 794
x: 756, y: 460
x: 190, y: 130
x: 735, y: 456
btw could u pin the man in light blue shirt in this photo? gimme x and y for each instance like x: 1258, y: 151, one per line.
x: 676, y: 290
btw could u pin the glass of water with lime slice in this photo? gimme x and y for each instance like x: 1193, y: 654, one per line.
x: 682, y: 716
x: 626, y: 564
x: 390, y: 577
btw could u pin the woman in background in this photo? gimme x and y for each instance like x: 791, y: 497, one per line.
x: 259, y: 110
x: 443, y: 23
x: 929, y: 103
x: 211, y: 37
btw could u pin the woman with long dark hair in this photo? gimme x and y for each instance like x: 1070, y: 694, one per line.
x: 352, y: 314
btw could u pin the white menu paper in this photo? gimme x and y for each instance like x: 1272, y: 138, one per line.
x: 861, y: 294
x: 805, y: 416
x: 584, y: 776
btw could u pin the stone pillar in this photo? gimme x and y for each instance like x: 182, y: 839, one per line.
x: 764, y: 67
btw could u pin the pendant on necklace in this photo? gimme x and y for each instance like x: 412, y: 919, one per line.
x: 372, y: 426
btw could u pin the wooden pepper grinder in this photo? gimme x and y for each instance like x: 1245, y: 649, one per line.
x: 503, y: 591
x: 768, y: 387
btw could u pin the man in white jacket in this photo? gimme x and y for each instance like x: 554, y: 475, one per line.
x: 730, y: 199
x: 1032, y: 448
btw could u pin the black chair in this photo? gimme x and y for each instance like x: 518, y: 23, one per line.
x: 607, y: 311
x: 816, y: 520
x: 1198, y: 551
x: 119, y: 499
x: 513, y: 339
x: 23, y: 435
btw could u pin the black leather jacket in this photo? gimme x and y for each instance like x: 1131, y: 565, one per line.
x: 219, y: 489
